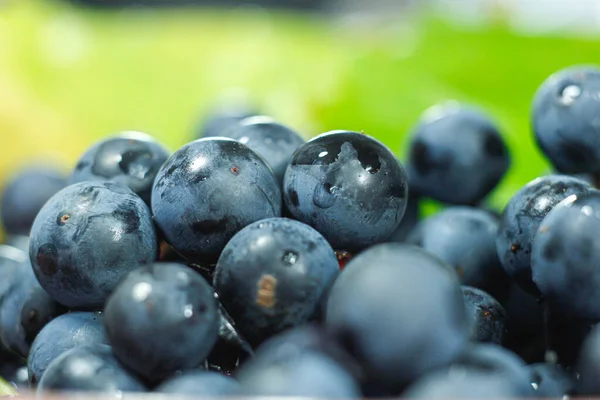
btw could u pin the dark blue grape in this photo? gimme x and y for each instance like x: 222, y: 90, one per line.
x: 565, y: 254
x: 456, y: 155
x: 271, y: 140
x: 208, y: 191
x: 399, y: 311
x: 465, y: 237
x: 315, y: 338
x: 24, y: 310
x: 130, y: 159
x: 491, y: 358
x: 200, y: 384
x: 272, y: 275
x: 86, y: 238
x: 349, y: 187
x: 88, y: 369
x: 588, y: 365
x: 522, y: 217
x: 467, y: 384
x: 24, y: 195
x: 565, y: 119
x: 488, y: 317
x: 291, y: 365
x: 12, y: 264
x: 162, y: 318
x: 61, y: 334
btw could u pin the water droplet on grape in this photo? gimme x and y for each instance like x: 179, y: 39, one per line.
x: 290, y: 257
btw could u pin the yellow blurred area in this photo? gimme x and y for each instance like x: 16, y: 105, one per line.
x: 69, y: 76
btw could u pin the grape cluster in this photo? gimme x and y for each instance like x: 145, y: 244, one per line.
x: 250, y: 262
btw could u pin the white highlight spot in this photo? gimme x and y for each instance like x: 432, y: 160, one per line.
x: 568, y: 202
x: 197, y: 164
x: 440, y: 111
x: 183, y: 277
x: 257, y: 119
x: 262, y: 241
x: 135, y: 135
x: 188, y: 311
x: 117, y: 234
x: 141, y: 291
x: 82, y: 368
x: 544, y: 202
x: 323, y: 154
x: 587, y: 210
x: 570, y: 94
x: 22, y: 374
x: 117, y: 158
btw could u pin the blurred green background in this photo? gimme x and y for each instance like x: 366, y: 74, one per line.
x: 71, y: 75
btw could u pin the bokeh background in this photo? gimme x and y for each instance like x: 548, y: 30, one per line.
x: 74, y: 71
